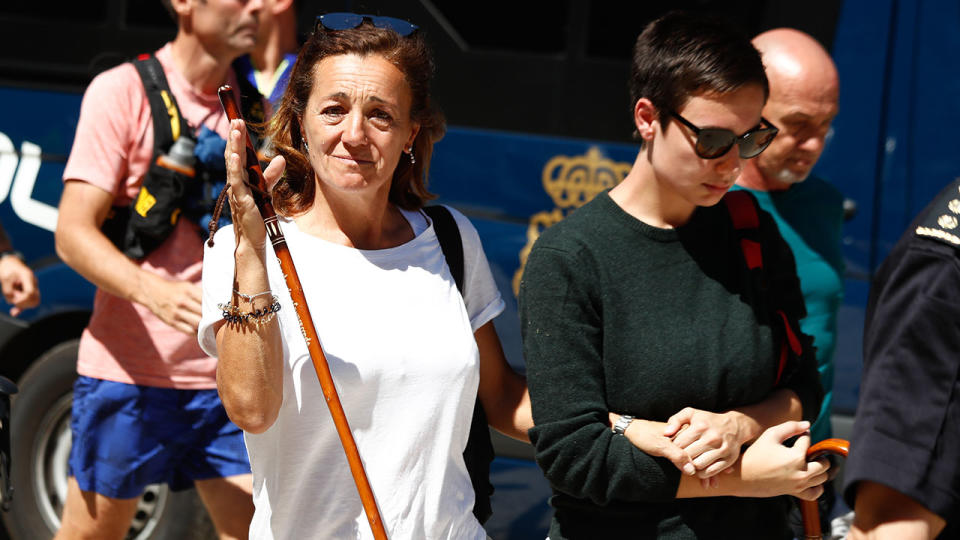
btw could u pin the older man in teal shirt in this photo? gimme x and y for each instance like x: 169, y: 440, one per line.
x: 804, y: 89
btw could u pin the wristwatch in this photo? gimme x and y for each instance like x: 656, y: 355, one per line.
x: 13, y: 252
x: 621, y: 425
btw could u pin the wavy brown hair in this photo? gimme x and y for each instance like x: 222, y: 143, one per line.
x: 296, y: 191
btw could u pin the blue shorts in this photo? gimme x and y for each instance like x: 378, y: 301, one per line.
x: 126, y: 437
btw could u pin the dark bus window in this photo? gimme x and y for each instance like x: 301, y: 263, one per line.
x: 79, y: 39
x: 612, y: 32
x: 88, y: 11
x: 815, y: 17
x: 149, y: 14
x: 514, y: 26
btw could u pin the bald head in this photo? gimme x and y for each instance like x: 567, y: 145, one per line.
x: 804, y: 89
x: 792, y: 57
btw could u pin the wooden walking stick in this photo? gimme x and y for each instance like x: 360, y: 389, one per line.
x: 809, y: 509
x: 258, y: 186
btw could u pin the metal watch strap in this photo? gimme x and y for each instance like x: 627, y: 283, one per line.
x: 620, y: 426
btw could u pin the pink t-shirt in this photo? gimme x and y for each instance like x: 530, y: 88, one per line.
x: 124, y: 341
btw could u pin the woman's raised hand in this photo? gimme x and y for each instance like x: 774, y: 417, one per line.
x: 769, y: 468
x: 248, y: 222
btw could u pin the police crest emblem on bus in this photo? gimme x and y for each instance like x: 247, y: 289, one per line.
x: 571, y: 181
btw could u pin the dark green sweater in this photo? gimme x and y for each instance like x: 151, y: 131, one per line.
x: 620, y: 316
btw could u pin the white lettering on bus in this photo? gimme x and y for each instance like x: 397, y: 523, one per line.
x: 19, y: 186
x: 8, y: 165
x: 26, y: 207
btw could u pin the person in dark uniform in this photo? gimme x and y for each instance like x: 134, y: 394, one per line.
x: 903, y: 473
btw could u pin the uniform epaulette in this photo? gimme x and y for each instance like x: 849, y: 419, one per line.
x: 942, y: 221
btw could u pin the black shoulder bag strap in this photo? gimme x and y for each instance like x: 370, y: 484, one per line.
x: 168, y: 123
x: 479, y: 451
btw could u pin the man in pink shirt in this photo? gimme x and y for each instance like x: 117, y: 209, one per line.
x: 145, y: 405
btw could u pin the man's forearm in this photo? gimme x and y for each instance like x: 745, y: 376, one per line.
x: 93, y: 256
x: 882, y: 513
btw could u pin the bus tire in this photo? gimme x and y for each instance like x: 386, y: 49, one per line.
x: 40, y: 444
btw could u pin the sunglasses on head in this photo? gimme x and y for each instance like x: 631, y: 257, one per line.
x: 349, y: 21
x: 716, y: 142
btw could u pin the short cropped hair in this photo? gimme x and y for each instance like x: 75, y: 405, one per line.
x: 681, y: 55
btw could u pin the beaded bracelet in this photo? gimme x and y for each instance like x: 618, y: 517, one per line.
x: 233, y: 314
x: 250, y: 297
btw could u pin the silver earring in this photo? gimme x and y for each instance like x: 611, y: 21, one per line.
x: 412, y: 159
x: 306, y: 146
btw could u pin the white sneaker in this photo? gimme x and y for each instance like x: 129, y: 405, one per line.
x: 840, y: 527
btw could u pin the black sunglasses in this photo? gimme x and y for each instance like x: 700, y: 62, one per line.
x: 716, y: 142
x: 349, y: 21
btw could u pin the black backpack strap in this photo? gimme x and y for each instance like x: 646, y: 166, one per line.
x: 479, y: 451
x: 746, y: 219
x: 448, y: 234
x: 168, y: 123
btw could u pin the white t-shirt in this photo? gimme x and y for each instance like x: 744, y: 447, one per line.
x: 399, y: 340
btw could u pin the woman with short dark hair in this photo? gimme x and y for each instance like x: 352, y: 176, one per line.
x: 653, y: 302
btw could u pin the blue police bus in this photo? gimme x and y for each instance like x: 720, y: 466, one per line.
x: 536, y: 101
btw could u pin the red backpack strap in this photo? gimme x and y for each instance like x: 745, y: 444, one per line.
x: 793, y: 344
x: 744, y: 215
x: 743, y: 211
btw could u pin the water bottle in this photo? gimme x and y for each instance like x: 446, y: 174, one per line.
x: 180, y: 158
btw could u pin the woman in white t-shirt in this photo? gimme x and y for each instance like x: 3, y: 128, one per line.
x: 354, y: 134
